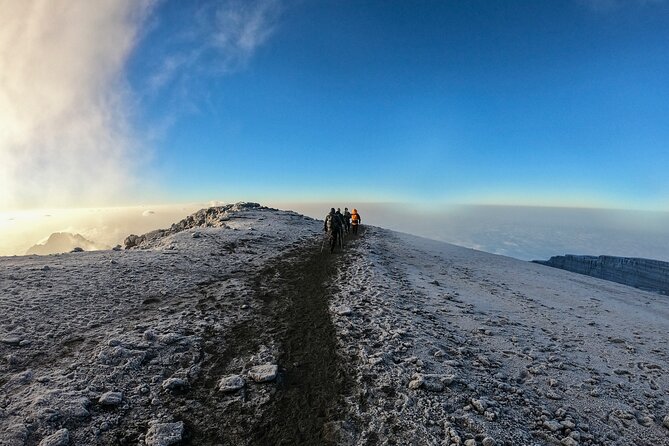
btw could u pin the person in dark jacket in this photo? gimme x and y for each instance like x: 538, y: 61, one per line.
x: 332, y: 227
x: 342, y: 226
x: 347, y: 220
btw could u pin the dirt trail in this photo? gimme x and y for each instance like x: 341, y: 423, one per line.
x: 291, y: 313
x: 312, y: 384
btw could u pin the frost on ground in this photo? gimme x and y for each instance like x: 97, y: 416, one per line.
x: 454, y: 346
x: 232, y: 327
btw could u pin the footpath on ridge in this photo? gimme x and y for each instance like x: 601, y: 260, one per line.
x: 292, y: 325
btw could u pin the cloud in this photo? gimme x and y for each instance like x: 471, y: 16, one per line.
x: 220, y: 39
x: 65, y: 108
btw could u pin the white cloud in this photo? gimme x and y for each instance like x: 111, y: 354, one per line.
x: 65, y: 135
x: 221, y: 38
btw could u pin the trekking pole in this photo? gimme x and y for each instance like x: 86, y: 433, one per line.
x: 322, y: 244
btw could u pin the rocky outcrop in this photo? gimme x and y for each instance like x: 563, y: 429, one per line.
x: 646, y: 274
x: 213, y: 217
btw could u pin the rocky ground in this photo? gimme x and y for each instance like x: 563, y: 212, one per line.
x: 232, y: 327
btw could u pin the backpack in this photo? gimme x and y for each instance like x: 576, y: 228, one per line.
x: 332, y: 223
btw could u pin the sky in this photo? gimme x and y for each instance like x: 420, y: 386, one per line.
x: 555, y: 103
x: 138, y: 104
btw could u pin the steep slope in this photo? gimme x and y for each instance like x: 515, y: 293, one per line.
x: 232, y: 327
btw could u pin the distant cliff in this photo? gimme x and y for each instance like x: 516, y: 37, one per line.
x: 646, y: 274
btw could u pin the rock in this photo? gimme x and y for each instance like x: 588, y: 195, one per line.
x: 479, y: 405
x: 231, y: 383
x: 431, y: 382
x: 470, y: 442
x: 16, y: 434
x: 568, y: 424
x: 11, y: 340
x: 117, y: 248
x: 552, y: 425
x: 164, y: 434
x: 77, y: 249
x: 25, y: 377
x: 196, y: 235
x: 174, y: 384
x: 59, y: 438
x: 111, y: 399
x: 416, y: 383
x: 264, y: 373
x: 489, y: 441
x: 568, y: 441
x: 665, y: 421
x: 553, y: 395
x: 132, y: 240
x: 344, y: 311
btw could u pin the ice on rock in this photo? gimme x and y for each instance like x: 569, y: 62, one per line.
x: 174, y: 384
x: 431, y: 382
x: 11, y: 340
x: 58, y: 438
x: 111, y: 399
x: 264, y: 373
x: 231, y: 383
x: 164, y: 434
x: 489, y: 441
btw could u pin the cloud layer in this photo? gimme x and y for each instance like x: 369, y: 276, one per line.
x: 65, y: 133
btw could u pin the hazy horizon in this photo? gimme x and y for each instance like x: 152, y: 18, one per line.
x: 526, y: 233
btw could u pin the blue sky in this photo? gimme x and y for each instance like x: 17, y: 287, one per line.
x: 501, y: 102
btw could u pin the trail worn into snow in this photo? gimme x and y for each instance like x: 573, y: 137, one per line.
x: 311, y: 385
x: 290, y: 326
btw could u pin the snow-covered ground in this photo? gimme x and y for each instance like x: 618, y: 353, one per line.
x: 450, y: 344
x: 246, y: 333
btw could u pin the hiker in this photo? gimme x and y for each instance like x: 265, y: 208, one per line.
x: 342, y: 226
x: 347, y: 220
x: 355, y: 221
x: 332, y: 227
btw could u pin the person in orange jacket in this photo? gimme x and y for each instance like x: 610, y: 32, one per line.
x: 355, y: 220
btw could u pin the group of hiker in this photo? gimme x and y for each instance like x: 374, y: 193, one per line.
x: 338, y: 224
